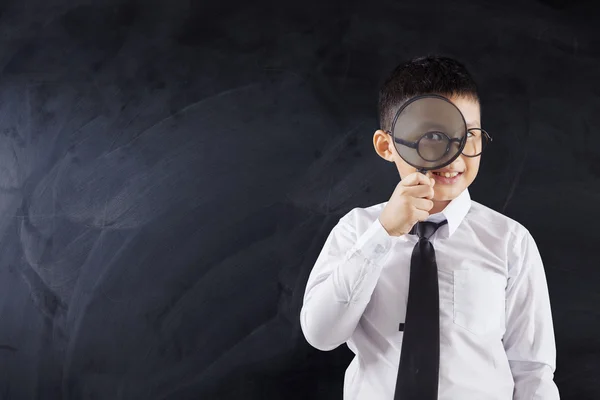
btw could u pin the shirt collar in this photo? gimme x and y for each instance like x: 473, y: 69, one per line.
x: 454, y: 212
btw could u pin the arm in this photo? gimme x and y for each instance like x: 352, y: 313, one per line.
x: 341, y: 283
x: 529, y: 338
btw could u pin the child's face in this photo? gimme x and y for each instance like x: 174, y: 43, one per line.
x: 468, y: 166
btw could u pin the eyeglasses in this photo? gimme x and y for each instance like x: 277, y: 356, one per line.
x: 433, y: 146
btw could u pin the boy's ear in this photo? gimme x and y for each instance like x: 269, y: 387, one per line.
x: 383, y: 145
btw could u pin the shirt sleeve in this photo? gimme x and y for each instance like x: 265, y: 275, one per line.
x: 341, y: 283
x: 529, y: 339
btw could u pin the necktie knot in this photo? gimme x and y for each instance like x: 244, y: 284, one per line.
x: 426, y: 229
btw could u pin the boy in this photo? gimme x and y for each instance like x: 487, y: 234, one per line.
x: 495, y: 324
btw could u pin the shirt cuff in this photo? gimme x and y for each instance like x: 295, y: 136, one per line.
x: 375, y: 242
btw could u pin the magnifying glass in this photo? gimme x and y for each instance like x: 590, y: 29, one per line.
x: 429, y: 132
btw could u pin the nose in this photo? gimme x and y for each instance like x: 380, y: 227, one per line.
x: 458, y: 162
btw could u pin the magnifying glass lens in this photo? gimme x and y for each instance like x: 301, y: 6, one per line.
x: 429, y: 132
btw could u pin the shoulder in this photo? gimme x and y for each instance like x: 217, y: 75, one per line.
x: 497, y: 224
x: 361, y: 218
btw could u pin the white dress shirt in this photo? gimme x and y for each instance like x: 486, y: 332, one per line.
x: 496, y: 331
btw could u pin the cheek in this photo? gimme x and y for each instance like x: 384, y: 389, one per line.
x: 472, y: 168
x: 403, y: 168
x: 473, y: 164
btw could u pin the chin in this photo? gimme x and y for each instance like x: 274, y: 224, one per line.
x: 443, y: 199
x: 447, y: 195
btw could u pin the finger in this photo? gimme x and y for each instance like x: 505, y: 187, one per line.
x: 416, y: 178
x: 420, y: 191
x: 421, y: 215
x: 422, y: 204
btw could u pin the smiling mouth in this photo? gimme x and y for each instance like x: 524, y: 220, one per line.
x: 447, y: 174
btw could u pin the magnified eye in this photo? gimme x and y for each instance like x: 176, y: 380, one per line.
x: 433, y: 136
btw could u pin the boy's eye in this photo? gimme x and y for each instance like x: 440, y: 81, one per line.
x: 434, y: 136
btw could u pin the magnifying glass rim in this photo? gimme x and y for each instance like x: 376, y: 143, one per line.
x: 412, y: 100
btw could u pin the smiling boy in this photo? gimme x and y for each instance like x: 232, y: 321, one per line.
x: 496, y: 333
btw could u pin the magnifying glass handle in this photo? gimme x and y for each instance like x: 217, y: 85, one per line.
x: 423, y: 171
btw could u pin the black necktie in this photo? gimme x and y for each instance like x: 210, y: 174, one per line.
x: 418, y: 371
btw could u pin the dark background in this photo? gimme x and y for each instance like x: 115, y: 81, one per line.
x: 170, y: 170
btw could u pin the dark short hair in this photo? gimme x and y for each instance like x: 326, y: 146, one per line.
x: 423, y: 75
